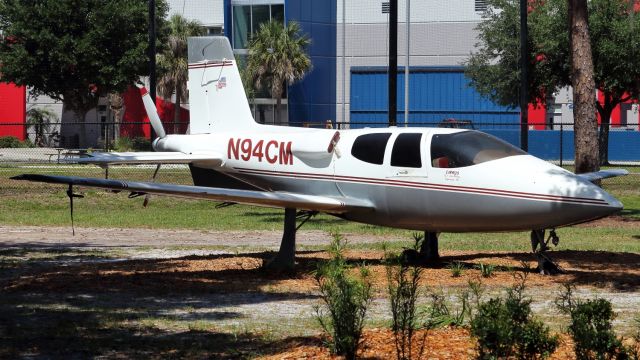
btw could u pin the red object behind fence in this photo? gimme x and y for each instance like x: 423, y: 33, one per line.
x: 135, y: 115
x: 13, y: 110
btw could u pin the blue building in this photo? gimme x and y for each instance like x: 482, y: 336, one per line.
x: 348, y: 83
x: 354, y: 48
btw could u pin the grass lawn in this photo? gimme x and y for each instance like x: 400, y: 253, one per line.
x: 26, y: 203
x: 62, y: 302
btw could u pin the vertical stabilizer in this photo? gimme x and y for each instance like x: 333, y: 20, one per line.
x: 217, y: 100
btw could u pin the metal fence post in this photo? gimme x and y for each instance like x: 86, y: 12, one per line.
x: 561, y: 137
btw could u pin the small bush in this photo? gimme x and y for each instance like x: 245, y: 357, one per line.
x: 486, y: 270
x: 14, y: 142
x: 132, y: 144
x: 403, y: 281
x: 505, y: 328
x: 440, y: 312
x: 346, y: 297
x: 591, y: 327
x: 457, y: 268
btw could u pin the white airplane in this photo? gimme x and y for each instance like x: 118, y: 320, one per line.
x: 427, y: 179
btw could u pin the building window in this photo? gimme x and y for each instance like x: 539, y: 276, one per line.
x: 215, y: 30
x: 248, y: 18
x: 386, y: 7
x: 481, y: 5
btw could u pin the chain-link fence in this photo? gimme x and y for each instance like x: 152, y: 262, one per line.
x: 56, y: 145
x: 51, y: 149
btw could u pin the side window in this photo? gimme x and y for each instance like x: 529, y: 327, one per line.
x: 370, y: 147
x: 406, y: 151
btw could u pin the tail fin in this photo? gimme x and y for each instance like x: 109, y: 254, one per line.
x: 152, y: 113
x: 217, y: 100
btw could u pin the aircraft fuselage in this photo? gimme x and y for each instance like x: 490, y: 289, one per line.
x: 415, y: 178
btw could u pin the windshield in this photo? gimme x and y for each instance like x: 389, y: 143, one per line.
x: 468, y: 148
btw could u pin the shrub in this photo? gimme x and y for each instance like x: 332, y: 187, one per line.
x: 14, y: 142
x: 486, y: 270
x: 591, y: 327
x: 403, y: 281
x: 132, y: 144
x: 505, y: 328
x: 457, y: 268
x: 440, y: 312
x: 346, y: 297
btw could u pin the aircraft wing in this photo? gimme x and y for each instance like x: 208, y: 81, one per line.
x: 603, y: 174
x: 334, y: 205
x: 204, y: 159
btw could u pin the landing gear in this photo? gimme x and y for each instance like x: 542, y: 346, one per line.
x: 285, y: 258
x: 546, y: 265
x: 429, y: 249
x: 428, y: 252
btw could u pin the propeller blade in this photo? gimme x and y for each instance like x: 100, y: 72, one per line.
x: 152, y: 113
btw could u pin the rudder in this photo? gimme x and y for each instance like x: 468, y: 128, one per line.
x: 217, y: 99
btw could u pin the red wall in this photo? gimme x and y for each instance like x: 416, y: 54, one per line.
x: 13, y: 101
x: 537, y: 116
x: 135, y: 114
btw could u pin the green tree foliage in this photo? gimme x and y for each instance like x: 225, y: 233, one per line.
x: 505, y: 329
x: 403, y: 281
x: 277, y: 57
x: 347, y: 298
x: 75, y: 50
x: 591, y: 327
x: 40, y: 119
x: 614, y: 28
x: 173, y: 63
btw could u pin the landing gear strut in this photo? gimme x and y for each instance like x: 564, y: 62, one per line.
x: 428, y: 252
x: 285, y: 258
x: 429, y: 249
x: 546, y: 265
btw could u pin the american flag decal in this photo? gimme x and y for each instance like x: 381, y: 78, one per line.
x: 222, y: 83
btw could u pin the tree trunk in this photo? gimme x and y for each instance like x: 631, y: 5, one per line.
x: 277, y: 110
x: 176, y: 114
x: 584, y: 110
x: 81, y: 116
x: 79, y: 125
x: 603, y: 136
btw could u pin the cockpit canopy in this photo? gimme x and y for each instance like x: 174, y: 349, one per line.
x: 450, y: 150
x: 468, y: 148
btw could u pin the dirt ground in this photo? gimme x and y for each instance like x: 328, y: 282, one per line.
x: 131, y: 293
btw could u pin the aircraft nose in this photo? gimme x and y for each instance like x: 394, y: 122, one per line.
x: 613, y: 205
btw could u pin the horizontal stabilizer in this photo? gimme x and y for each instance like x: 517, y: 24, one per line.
x: 203, y: 159
x: 334, y: 205
x: 603, y: 174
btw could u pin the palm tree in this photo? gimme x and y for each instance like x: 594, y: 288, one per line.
x: 40, y: 120
x: 116, y: 103
x: 277, y: 56
x: 173, y: 63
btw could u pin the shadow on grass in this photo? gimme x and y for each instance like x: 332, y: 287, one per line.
x: 630, y: 214
x: 160, y: 308
x: 88, y: 332
x: 277, y: 218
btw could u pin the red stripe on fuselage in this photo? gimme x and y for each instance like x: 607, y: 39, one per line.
x: 207, y: 65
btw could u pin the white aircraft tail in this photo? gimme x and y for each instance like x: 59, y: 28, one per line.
x: 217, y: 100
